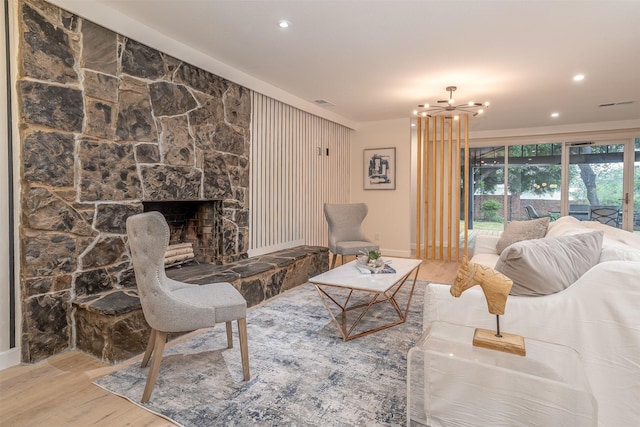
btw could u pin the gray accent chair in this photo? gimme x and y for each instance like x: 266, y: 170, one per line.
x: 345, y: 230
x: 172, y: 306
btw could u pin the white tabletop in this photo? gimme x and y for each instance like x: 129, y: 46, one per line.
x: 349, y: 276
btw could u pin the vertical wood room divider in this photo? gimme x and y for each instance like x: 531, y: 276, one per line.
x: 440, y: 197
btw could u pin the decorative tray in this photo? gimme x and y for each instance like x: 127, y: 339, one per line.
x: 380, y: 267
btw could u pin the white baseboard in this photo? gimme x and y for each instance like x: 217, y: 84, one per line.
x: 9, y: 358
x: 395, y: 253
x: 445, y: 248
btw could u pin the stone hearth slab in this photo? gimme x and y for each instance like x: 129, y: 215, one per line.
x: 111, y: 325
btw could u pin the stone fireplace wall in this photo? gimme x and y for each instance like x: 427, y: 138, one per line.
x: 105, y: 124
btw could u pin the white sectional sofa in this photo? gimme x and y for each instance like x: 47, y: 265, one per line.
x: 598, y: 315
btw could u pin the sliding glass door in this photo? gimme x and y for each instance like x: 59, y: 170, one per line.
x: 534, y: 181
x: 591, y: 181
x: 601, y: 185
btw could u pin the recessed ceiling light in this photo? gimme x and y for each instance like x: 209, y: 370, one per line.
x: 578, y: 77
x: 554, y: 115
x: 283, y: 23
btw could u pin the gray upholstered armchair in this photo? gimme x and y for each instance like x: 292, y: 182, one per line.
x: 345, y: 230
x: 172, y: 306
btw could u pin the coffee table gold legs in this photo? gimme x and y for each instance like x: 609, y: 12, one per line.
x: 376, y: 297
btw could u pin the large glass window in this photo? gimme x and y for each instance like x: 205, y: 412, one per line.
x: 486, y: 207
x: 534, y: 181
x: 596, y: 182
x: 532, y: 188
x: 520, y: 182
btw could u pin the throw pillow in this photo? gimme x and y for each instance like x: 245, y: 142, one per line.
x: 546, y: 266
x: 517, y: 231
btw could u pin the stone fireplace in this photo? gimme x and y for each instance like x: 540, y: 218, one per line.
x: 108, y: 128
x: 198, y: 222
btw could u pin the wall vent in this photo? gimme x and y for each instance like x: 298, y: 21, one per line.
x: 611, y: 104
x: 324, y: 103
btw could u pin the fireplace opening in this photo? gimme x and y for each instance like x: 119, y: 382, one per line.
x: 194, y: 222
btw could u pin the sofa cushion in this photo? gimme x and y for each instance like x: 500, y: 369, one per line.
x: 517, y: 231
x: 546, y: 266
x: 619, y: 253
x: 567, y: 226
x: 488, y: 260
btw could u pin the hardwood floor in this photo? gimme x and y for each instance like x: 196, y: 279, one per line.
x: 59, y: 391
x: 438, y: 271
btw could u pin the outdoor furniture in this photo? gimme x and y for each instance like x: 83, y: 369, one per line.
x: 345, y: 230
x: 609, y: 215
x: 532, y: 214
x: 580, y: 211
x: 172, y: 306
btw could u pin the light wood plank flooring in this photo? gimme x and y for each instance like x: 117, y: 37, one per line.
x: 59, y: 391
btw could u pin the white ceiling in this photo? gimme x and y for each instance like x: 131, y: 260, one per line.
x: 377, y: 60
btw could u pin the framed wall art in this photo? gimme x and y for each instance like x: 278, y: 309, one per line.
x: 380, y: 169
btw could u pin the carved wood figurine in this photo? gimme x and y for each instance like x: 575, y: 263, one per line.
x: 496, y: 287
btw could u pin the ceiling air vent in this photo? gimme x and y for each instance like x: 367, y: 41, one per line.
x: 324, y: 103
x: 611, y: 104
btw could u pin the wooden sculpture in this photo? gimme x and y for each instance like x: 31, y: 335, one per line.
x: 496, y: 287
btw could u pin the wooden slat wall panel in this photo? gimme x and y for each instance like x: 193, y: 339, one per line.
x: 292, y: 176
x: 440, y: 151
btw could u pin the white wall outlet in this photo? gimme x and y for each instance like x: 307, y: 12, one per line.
x: 376, y: 236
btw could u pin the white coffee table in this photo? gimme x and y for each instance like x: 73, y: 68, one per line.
x: 376, y: 288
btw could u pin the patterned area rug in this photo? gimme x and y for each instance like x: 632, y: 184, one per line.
x: 302, y: 372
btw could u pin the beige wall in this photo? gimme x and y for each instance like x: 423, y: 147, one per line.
x: 389, y: 210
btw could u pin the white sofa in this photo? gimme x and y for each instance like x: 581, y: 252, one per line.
x: 598, y: 316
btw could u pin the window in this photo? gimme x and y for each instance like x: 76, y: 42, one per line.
x: 534, y: 182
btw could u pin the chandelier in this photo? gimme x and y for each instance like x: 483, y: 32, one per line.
x: 446, y: 107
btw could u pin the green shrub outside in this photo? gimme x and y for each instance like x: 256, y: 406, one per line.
x: 490, y: 209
